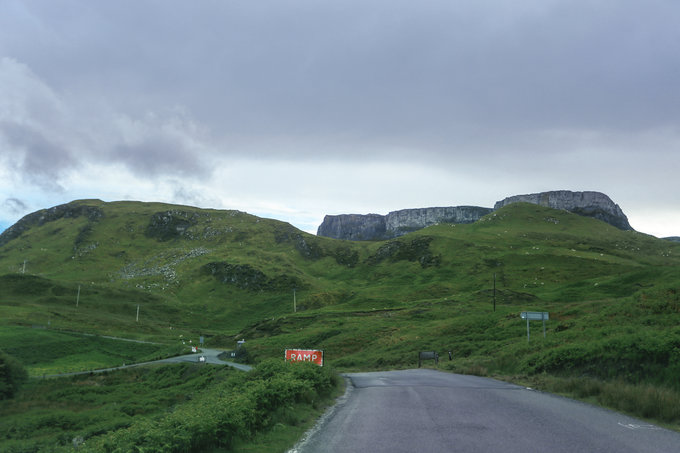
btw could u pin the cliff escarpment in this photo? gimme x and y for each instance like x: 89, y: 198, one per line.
x: 405, y: 221
x: 370, y: 227
x: 589, y: 204
x: 354, y: 227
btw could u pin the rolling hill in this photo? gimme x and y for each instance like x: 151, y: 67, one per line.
x: 89, y: 265
x: 170, y: 274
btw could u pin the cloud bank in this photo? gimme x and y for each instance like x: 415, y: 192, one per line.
x: 298, y: 109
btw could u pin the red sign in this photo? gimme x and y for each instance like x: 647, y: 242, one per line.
x: 305, y: 355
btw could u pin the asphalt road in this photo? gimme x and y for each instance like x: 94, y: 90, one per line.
x: 211, y: 356
x: 429, y: 411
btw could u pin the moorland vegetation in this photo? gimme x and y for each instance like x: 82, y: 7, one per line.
x: 76, y: 278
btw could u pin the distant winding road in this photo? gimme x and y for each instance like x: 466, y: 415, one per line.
x: 425, y: 410
x: 211, y: 356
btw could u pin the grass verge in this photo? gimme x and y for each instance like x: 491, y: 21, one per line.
x: 650, y: 402
x: 660, y: 405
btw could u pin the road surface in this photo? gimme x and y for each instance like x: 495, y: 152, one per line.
x: 425, y: 410
x: 211, y: 356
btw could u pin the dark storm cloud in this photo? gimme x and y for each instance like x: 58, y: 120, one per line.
x: 45, y: 133
x: 426, y: 73
x: 525, y: 95
x: 159, y: 156
x: 14, y: 206
x: 39, y: 159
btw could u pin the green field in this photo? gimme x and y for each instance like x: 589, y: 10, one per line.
x: 47, y: 352
x: 613, y: 296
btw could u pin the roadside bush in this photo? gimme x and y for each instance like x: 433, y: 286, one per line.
x: 646, y: 356
x: 12, y: 375
x: 236, y: 408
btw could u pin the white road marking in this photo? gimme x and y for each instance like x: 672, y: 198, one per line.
x: 633, y: 426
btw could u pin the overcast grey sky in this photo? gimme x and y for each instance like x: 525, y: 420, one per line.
x: 297, y: 109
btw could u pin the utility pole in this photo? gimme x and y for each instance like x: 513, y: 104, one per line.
x: 137, y: 313
x: 294, y: 302
x: 494, y: 291
x: 23, y: 269
x: 78, y: 296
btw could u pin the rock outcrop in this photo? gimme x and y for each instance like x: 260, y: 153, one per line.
x: 373, y: 227
x: 398, y: 223
x: 588, y: 204
x: 354, y: 227
x: 74, y: 209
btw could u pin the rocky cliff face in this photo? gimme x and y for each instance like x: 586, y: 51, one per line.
x: 588, y: 204
x: 372, y: 227
x: 353, y: 227
x: 397, y: 223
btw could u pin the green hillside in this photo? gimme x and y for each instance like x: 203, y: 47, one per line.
x: 88, y: 265
x: 188, y: 268
x: 613, y: 296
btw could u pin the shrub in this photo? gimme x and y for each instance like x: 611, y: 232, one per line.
x: 12, y: 375
x: 237, y: 408
x: 646, y: 356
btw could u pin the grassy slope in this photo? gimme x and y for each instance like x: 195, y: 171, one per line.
x: 398, y: 296
x: 613, y: 296
x: 45, y: 352
x: 119, y: 265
